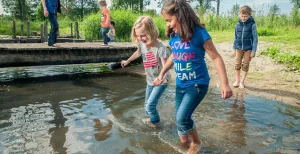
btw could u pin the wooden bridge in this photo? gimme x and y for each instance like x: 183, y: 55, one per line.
x: 29, y: 54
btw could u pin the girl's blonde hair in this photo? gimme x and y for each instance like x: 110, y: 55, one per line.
x: 150, y: 28
x: 185, y: 16
x: 245, y: 10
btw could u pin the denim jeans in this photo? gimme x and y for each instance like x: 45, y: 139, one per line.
x: 153, y: 94
x: 187, y: 100
x: 104, y: 32
x: 54, y: 29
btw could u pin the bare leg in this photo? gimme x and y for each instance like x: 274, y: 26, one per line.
x: 237, y: 78
x: 236, y: 94
x: 242, y: 100
x: 195, y: 146
x: 184, y: 141
x: 242, y: 84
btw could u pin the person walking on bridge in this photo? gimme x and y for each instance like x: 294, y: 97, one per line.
x: 51, y: 7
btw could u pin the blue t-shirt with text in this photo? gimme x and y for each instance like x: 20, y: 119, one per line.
x: 189, y: 64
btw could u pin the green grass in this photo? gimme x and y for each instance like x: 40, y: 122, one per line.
x: 291, y: 60
x: 7, y: 24
x: 222, y: 36
x: 286, y: 49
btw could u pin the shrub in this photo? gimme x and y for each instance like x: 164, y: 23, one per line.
x: 265, y: 32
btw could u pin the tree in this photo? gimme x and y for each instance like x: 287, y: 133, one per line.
x: 218, y: 7
x: 295, y: 16
x: 17, y: 8
x: 235, y: 11
x: 135, y: 5
x: 273, y: 13
x: 203, y: 6
x: 296, y: 3
x: 79, y: 8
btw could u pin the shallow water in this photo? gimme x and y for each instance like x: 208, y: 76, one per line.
x: 104, y: 115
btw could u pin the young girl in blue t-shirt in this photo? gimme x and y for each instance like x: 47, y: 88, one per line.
x: 189, y: 41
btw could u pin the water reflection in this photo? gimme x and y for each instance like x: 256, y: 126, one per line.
x: 58, y: 133
x: 237, y: 121
x: 103, y: 115
x: 102, y: 129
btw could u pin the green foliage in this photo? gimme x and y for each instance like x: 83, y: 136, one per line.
x: 273, y: 14
x: 295, y: 16
x: 235, y: 11
x: 265, y: 32
x: 124, y: 20
x: 92, y: 27
x: 6, y: 26
x: 292, y: 60
x: 134, y: 5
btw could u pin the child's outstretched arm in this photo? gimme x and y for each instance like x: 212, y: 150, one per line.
x: 166, y: 66
x: 134, y: 56
x: 255, y: 41
x: 234, y: 42
x: 226, y: 91
x: 45, y: 8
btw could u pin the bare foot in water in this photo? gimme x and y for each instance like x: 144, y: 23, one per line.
x: 194, y: 148
x: 236, y: 84
x: 242, y: 86
x: 185, y: 144
x: 148, y: 123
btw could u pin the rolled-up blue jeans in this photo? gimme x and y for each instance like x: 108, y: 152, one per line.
x: 187, y: 100
x: 153, y: 93
x: 54, y: 29
x: 104, y: 31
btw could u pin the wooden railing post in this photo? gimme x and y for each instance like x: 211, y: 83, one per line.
x: 14, y: 30
x: 42, y: 33
x: 71, y: 30
x: 28, y: 28
x: 22, y: 30
x: 76, y: 30
x: 46, y: 31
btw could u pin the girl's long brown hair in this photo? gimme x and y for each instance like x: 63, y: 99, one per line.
x: 185, y: 16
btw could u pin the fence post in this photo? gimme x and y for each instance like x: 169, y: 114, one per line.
x: 22, y: 30
x: 76, y: 30
x: 42, y: 33
x: 46, y: 32
x: 28, y: 28
x: 14, y: 30
x: 71, y: 30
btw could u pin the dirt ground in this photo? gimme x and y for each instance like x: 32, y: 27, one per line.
x: 265, y: 77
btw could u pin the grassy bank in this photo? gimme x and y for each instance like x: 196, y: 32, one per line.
x: 283, y: 32
x: 285, y: 48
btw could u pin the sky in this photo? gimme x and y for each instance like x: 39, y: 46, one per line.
x: 226, y: 5
x: 1, y: 9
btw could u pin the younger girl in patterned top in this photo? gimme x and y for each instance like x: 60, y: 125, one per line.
x: 145, y: 34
